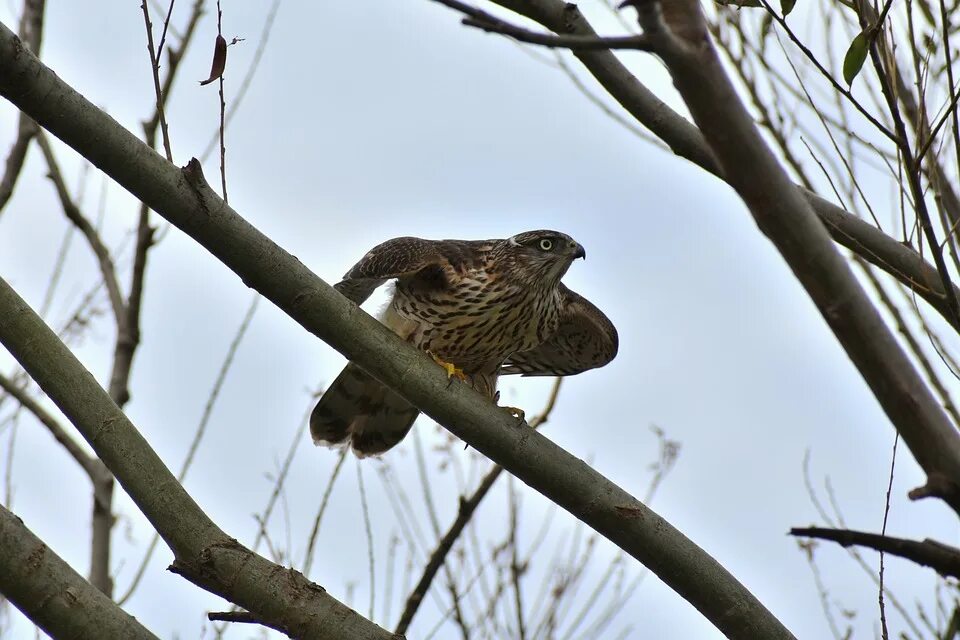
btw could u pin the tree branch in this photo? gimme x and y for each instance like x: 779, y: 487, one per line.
x: 890, y: 256
x: 155, y: 72
x: 93, y: 467
x: 911, y: 164
x: 15, y: 159
x: 54, y: 596
x: 786, y: 218
x: 940, y: 557
x: 465, y: 512
x: 107, y: 270
x: 203, y: 553
x: 31, y: 32
x: 492, y: 24
x: 686, y: 141
x: 184, y: 198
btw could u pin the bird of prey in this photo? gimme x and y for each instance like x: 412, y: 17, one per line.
x: 481, y: 309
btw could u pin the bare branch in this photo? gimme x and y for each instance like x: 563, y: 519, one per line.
x: 942, y: 558
x: 54, y: 596
x: 155, y: 72
x: 107, y: 269
x: 912, y: 165
x: 163, y: 34
x: 315, y: 531
x: 883, y: 529
x: 464, y: 514
x: 15, y: 159
x: 93, y: 467
x: 826, y: 74
x: 492, y: 24
x: 247, y: 78
x: 31, y: 32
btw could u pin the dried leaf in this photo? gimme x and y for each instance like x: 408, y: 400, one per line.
x: 855, y: 57
x: 786, y: 6
x: 219, y: 60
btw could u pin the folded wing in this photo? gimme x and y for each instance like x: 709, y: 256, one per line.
x: 585, y: 339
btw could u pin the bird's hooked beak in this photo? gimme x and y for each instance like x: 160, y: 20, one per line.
x: 579, y: 251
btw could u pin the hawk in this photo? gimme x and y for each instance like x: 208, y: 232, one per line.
x: 481, y: 309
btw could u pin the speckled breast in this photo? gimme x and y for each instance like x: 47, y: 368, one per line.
x: 475, y: 322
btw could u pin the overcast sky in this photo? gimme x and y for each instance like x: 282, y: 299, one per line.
x: 370, y: 120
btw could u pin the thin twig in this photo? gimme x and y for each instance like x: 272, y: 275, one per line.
x: 951, y: 112
x: 853, y: 552
x: 435, y: 524
x: 93, y: 468
x: 8, y: 467
x: 163, y: 34
x: 223, y: 112
x: 464, y: 514
x: 31, y: 34
x: 883, y: 531
x: 233, y: 616
x: 365, y: 510
x: 198, y: 434
x: 516, y: 567
x: 312, y: 540
x: 72, y: 211
x: 247, y: 78
x: 913, y: 171
x: 826, y: 74
x: 808, y: 547
x: 155, y: 71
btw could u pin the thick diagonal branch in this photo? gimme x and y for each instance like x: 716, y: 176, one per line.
x: 54, y: 596
x: 184, y: 198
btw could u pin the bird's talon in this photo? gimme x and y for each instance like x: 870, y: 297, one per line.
x: 453, y: 371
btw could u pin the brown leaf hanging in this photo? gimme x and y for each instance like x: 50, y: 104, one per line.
x: 219, y: 60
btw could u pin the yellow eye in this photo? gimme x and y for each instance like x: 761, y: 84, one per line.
x: 546, y: 244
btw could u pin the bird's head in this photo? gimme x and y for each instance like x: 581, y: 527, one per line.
x: 544, y: 256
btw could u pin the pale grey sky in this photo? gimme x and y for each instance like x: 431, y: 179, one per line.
x: 369, y: 120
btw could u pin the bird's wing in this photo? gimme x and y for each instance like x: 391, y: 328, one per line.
x: 391, y: 259
x: 585, y: 339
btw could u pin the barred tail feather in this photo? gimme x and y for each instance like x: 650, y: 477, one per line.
x: 359, y: 408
